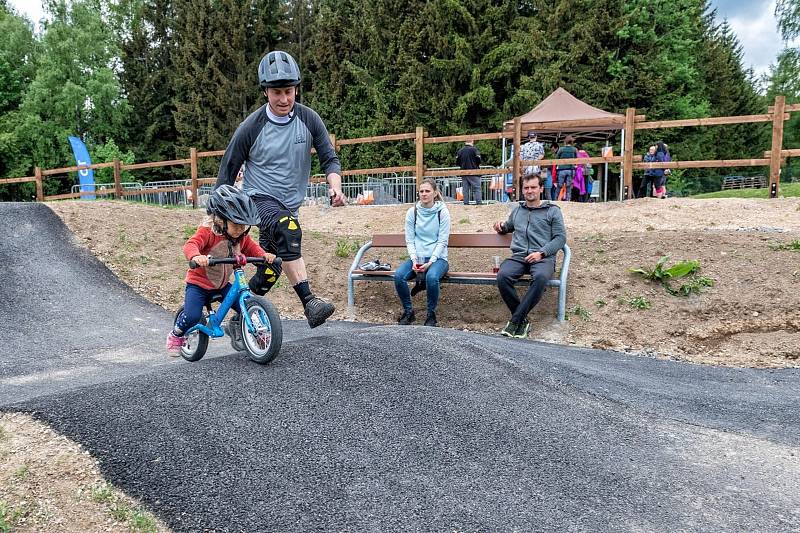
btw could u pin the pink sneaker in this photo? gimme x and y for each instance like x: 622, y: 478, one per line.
x: 174, y: 344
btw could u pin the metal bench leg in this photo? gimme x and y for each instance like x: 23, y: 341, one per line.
x: 562, y: 301
x: 351, y: 298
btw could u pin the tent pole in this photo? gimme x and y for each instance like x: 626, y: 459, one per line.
x: 605, y: 178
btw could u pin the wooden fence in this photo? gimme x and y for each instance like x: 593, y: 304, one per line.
x: 630, y: 123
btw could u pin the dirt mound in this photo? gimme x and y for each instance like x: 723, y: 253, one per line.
x: 747, y: 318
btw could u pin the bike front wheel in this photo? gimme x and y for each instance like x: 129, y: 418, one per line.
x: 196, y: 343
x: 264, y: 342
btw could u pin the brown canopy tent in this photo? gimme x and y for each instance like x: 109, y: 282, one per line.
x: 561, y: 107
x: 562, y: 114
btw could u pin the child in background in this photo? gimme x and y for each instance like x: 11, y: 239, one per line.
x: 223, y: 234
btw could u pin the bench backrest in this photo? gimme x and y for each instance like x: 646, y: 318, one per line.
x: 457, y: 240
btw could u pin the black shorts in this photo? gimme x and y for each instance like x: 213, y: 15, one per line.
x: 279, y: 230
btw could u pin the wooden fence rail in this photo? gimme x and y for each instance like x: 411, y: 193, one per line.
x: 630, y: 123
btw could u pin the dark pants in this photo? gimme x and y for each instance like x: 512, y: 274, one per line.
x: 471, y: 186
x: 195, y: 300
x: 646, y: 189
x: 510, y: 271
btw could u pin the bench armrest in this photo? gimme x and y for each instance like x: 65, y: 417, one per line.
x: 359, y: 256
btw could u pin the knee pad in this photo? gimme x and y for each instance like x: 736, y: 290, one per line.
x: 288, y: 236
x: 265, y: 278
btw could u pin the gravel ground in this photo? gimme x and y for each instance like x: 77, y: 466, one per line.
x: 388, y: 428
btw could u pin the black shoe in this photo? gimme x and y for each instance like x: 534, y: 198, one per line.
x: 407, y: 318
x: 317, y: 311
x: 234, y: 329
x: 431, y: 320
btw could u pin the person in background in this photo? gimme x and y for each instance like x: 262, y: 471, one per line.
x: 651, y: 175
x: 660, y: 187
x: 468, y: 158
x: 566, y: 173
x: 427, y: 234
x: 553, y: 172
x: 538, y: 234
x: 579, y: 190
x: 532, y: 150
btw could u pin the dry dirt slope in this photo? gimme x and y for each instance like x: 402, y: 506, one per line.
x: 748, y: 318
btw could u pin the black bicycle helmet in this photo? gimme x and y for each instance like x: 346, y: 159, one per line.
x: 278, y: 69
x: 232, y: 204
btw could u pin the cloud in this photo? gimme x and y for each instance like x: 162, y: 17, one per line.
x: 756, y: 28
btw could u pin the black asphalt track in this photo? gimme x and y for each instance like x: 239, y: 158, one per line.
x: 389, y: 428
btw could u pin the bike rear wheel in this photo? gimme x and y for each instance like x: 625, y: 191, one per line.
x: 264, y: 342
x: 196, y: 343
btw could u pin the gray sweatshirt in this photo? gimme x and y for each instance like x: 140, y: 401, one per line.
x: 538, y: 229
x: 278, y: 156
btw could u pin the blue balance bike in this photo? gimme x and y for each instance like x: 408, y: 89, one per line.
x: 257, y: 331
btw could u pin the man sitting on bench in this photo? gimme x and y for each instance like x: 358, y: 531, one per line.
x: 538, y: 234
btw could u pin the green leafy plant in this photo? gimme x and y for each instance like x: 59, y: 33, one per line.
x: 188, y: 230
x: 660, y: 272
x: 103, y: 493
x: 580, y: 311
x: 637, y: 302
x: 664, y: 274
x: 694, y: 285
x: 22, y: 472
x: 464, y: 221
x: 142, y: 522
x: 793, y: 246
x: 600, y: 303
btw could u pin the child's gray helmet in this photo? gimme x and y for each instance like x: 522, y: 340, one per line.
x: 232, y: 204
x: 278, y: 69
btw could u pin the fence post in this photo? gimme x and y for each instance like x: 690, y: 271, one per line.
x: 193, y: 161
x: 515, y: 164
x: 419, y: 143
x: 117, y: 180
x: 333, y: 141
x: 39, y: 186
x: 777, y: 145
x: 627, y: 154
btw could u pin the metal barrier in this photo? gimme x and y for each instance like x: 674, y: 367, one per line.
x: 105, y: 189
x: 177, y: 198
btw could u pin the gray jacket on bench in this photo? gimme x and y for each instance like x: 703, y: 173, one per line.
x: 539, y: 229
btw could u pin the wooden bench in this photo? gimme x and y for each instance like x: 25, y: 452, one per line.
x: 457, y: 240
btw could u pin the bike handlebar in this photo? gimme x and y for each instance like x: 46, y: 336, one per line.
x: 241, y: 260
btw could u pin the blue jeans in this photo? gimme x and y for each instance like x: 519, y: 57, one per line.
x: 435, y: 272
x: 565, y: 176
x: 195, y: 300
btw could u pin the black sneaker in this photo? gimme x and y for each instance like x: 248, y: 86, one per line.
x: 407, y: 318
x: 510, y: 330
x: 317, y: 311
x: 234, y: 329
x: 431, y: 320
x: 523, y: 330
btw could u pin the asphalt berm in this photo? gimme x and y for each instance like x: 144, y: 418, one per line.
x: 387, y: 428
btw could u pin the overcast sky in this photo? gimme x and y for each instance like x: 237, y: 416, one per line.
x: 752, y: 20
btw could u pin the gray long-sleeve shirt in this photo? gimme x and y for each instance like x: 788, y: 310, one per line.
x: 278, y: 156
x: 536, y: 229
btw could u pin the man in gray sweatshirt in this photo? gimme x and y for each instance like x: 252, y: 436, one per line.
x: 538, y: 235
x: 276, y: 141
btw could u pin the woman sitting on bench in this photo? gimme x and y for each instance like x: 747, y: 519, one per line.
x: 427, y: 233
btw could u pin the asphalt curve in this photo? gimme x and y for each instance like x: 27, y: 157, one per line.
x: 390, y: 428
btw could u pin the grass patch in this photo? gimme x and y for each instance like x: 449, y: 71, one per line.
x: 10, y: 516
x: 142, y: 522
x: 793, y: 246
x: 464, y: 220
x: 119, y: 511
x: 103, y: 493
x: 637, y: 302
x: 600, y: 303
x: 22, y: 472
x: 316, y: 235
x: 188, y: 230
x: 786, y: 190
x: 346, y: 248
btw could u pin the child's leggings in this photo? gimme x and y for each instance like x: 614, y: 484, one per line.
x: 195, y: 300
